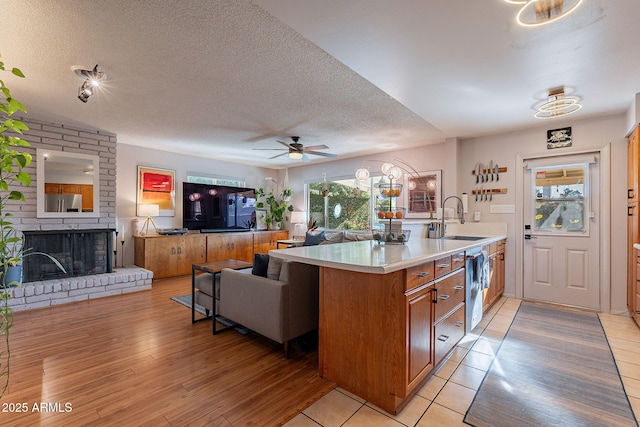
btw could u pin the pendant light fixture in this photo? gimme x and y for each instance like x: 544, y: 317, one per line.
x: 558, y: 104
x: 540, y: 12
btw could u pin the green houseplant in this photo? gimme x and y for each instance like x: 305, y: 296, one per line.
x: 278, y: 206
x: 12, y: 162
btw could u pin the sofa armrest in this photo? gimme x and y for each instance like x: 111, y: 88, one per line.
x: 255, y: 302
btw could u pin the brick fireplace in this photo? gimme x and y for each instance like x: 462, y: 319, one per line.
x: 81, y: 253
x: 82, y: 244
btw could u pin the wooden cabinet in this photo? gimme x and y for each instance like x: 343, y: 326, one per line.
x: 264, y: 241
x: 86, y: 190
x: 448, y: 302
x: 496, y: 252
x: 379, y: 332
x: 419, y: 335
x: 633, y: 224
x: 221, y: 246
x: 169, y: 256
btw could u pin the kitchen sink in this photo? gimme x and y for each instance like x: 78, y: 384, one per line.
x: 464, y: 238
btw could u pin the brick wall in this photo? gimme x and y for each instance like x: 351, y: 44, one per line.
x: 73, y: 140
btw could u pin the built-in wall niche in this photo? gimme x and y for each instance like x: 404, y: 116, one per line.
x: 68, y: 184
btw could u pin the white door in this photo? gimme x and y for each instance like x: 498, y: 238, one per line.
x: 562, y: 232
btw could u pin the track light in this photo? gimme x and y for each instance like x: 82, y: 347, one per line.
x: 92, y: 80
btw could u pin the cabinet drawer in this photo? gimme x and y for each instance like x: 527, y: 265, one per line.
x: 443, y: 266
x: 450, y: 293
x: 419, y: 275
x: 457, y: 260
x: 448, y: 333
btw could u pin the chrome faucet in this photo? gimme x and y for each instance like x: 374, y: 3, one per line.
x: 460, y: 210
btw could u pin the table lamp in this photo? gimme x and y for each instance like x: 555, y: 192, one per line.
x: 298, y: 219
x: 149, y: 210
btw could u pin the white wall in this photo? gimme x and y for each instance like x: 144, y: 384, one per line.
x: 129, y: 157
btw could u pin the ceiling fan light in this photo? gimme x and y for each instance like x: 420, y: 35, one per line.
x: 295, y: 155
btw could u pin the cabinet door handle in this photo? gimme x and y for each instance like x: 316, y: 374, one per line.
x: 457, y: 259
x: 630, y: 193
x: 423, y: 274
x: 458, y: 287
x: 459, y: 324
x: 444, y: 265
x: 444, y: 297
x: 629, y: 210
x: 443, y: 338
x: 179, y: 249
x: 435, y: 296
x: 173, y: 250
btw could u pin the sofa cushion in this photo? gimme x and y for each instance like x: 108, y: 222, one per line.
x: 357, y: 236
x: 260, y: 265
x: 312, y: 239
x: 332, y: 237
x: 274, y: 268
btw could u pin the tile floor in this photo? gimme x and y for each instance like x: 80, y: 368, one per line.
x: 445, y: 398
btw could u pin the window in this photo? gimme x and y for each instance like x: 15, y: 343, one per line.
x: 348, y: 204
x: 560, y: 198
x: 340, y: 204
x: 205, y: 179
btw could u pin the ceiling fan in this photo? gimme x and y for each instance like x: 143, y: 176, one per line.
x: 298, y: 151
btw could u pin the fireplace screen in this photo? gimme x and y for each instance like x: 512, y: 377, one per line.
x: 81, y: 252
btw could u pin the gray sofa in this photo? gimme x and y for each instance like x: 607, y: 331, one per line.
x: 282, y: 306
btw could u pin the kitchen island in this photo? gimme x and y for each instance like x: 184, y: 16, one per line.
x: 389, y: 314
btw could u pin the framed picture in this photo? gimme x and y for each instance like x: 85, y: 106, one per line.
x: 558, y: 138
x: 422, y: 194
x: 260, y: 216
x: 157, y: 187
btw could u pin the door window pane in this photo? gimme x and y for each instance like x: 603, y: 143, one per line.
x: 560, y: 198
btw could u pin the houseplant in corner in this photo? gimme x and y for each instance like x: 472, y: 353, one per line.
x: 278, y: 207
x: 12, y: 175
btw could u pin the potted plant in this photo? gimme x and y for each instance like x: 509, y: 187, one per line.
x: 12, y: 175
x: 278, y: 207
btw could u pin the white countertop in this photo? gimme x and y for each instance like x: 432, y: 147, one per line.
x: 380, y: 258
x: 636, y: 245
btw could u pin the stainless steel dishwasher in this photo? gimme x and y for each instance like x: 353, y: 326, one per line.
x: 473, y: 285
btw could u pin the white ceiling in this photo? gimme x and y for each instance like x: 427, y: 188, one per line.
x: 221, y: 78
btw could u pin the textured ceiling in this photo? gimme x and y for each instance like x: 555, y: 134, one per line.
x: 220, y: 78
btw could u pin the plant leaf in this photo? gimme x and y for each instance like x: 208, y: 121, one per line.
x: 24, y: 178
x: 17, y: 72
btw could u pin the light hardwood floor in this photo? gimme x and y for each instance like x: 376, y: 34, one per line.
x: 136, y: 359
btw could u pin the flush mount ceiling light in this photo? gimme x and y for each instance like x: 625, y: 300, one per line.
x: 92, y: 80
x: 558, y: 104
x: 540, y: 12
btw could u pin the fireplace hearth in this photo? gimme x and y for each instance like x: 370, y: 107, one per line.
x: 81, y: 252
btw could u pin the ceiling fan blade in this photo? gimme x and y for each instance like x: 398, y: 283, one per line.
x: 284, y: 143
x: 305, y: 158
x: 278, y: 155
x: 316, y: 147
x: 318, y: 153
x: 269, y: 149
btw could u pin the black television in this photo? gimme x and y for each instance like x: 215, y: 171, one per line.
x: 217, y: 208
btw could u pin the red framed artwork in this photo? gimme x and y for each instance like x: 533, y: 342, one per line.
x: 157, y: 187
